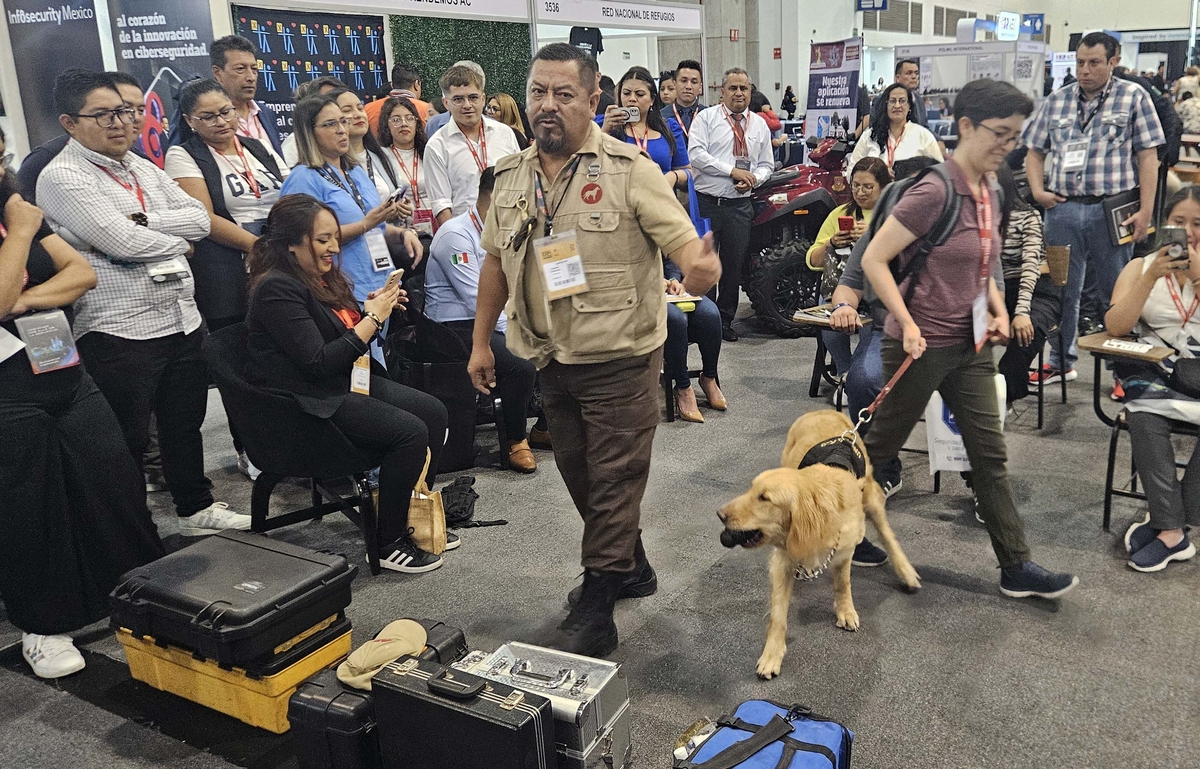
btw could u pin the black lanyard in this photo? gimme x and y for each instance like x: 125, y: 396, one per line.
x: 1085, y: 122
x: 540, y: 196
x: 370, y: 166
x: 334, y: 179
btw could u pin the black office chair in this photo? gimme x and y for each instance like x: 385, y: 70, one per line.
x: 285, y: 442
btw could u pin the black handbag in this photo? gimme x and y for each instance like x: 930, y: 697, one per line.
x: 1185, y: 377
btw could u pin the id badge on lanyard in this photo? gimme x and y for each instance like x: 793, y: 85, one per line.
x: 381, y: 258
x: 48, y: 340
x: 562, y: 266
x: 168, y: 270
x: 360, y: 376
x: 1075, y: 155
x: 422, y: 220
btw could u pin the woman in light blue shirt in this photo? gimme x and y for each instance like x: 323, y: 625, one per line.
x: 329, y: 172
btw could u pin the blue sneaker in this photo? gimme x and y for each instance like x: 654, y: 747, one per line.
x: 868, y: 554
x: 1139, y: 534
x: 1156, y: 555
x: 1028, y: 580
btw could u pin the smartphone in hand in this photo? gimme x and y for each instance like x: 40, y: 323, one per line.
x: 845, y: 224
x: 393, y: 280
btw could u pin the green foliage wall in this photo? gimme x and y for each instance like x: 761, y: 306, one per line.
x: 433, y: 44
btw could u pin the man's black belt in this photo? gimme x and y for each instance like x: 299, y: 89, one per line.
x: 1088, y: 200
x: 722, y: 201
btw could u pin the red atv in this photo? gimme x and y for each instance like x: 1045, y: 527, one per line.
x: 789, y: 209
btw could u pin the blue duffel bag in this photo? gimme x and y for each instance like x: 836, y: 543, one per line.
x: 766, y: 735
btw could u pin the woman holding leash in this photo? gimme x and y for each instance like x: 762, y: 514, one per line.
x: 938, y: 331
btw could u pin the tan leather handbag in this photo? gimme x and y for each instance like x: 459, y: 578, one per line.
x: 427, y: 515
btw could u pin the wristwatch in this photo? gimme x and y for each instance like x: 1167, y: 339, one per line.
x: 140, y: 219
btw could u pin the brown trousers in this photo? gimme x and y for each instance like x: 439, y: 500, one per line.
x: 602, y: 418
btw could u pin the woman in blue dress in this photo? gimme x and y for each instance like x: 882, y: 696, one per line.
x: 663, y: 140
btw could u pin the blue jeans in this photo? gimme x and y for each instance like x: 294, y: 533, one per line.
x: 838, y: 345
x: 864, y: 378
x: 1094, y: 259
x: 702, y: 325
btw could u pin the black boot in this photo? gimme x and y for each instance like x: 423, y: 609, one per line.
x: 589, y: 629
x: 639, y: 583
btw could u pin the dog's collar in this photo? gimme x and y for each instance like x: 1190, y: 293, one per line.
x: 805, y: 574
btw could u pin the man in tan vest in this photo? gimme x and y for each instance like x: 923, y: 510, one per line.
x: 573, y: 239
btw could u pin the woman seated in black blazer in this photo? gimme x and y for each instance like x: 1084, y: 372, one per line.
x: 305, y: 335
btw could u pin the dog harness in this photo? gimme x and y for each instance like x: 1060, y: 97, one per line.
x: 840, y: 452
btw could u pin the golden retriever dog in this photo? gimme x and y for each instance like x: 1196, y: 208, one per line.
x: 813, y: 518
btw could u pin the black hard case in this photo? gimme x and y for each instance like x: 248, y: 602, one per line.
x: 444, y: 644
x: 333, y: 725
x: 423, y: 724
x: 234, y: 597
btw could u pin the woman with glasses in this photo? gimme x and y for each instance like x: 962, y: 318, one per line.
x: 942, y: 317
x: 402, y: 135
x: 836, y: 238
x: 504, y: 108
x: 895, y: 134
x: 363, y: 144
x: 329, y: 172
x: 238, y: 180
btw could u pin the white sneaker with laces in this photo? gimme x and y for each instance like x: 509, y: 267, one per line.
x: 51, y: 656
x: 247, y: 467
x: 213, y: 519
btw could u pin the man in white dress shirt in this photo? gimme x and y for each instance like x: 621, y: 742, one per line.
x: 457, y: 155
x: 730, y: 149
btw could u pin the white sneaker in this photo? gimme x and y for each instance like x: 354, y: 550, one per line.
x: 213, y: 519
x: 247, y: 467
x: 51, y: 656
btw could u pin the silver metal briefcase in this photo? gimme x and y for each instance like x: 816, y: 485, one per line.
x: 589, y: 697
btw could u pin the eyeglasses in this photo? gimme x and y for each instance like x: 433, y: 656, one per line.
x: 342, y: 122
x: 107, y: 118
x: 1001, y: 137
x: 402, y: 120
x: 490, y: 110
x: 471, y: 98
x: 856, y: 187
x: 211, y: 119
x: 897, y: 102
x: 6, y: 160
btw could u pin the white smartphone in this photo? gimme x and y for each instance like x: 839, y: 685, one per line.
x: 398, y: 193
x: 393, y: 279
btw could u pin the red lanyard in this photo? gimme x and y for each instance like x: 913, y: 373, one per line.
x: 1179, y: 302
x: 478, y: 226
x: 412, y: 180
x: 679, y: 120
x: 984, y: 220
x: 644, y: 142
x: 739, y: 134
x: 128, y: 187
x: 893, y: 146
x: 481, y: 163
x: 248, y: 175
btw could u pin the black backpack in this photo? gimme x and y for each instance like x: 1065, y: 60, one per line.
x: 937, y: 235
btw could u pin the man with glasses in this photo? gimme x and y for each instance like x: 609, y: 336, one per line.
x: 1100, y: 135
x: 134, y: 98
x: 139, y: 330
x: 455, y: 157
x: 434, y: 123
x: 235, y: 66
x: 730, y: 148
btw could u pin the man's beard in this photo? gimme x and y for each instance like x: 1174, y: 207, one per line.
x: 545, y: 139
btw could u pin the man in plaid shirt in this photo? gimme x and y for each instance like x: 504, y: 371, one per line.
x: 1090, y: 140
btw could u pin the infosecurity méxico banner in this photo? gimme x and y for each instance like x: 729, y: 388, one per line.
x: 833, y: 74
x: 46, y: 39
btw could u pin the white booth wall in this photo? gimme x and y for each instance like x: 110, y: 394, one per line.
x: 623, y: 48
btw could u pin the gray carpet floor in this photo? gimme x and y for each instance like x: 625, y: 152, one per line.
x: 954, y: 676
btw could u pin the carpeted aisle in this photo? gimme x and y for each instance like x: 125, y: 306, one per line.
x: 955, y: 676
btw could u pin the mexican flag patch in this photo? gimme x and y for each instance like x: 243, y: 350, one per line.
x: 459, y: 259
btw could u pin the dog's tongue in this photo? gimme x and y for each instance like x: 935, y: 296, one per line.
x: 734, y: 538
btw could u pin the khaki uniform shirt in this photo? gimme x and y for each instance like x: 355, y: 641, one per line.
x: 623, y: 213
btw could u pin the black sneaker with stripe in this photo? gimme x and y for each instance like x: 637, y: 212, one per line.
x: 403, y: 556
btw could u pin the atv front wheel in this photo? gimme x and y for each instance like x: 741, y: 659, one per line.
x: 779, y: 283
